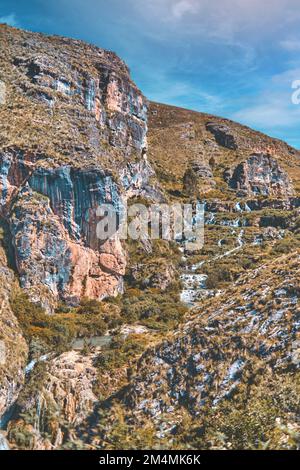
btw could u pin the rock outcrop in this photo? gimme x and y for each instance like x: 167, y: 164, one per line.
x: 223, y: 135
x: 73, y: 83
x: 198, y: 178
x: 260, y: 174
x: 64, y: 398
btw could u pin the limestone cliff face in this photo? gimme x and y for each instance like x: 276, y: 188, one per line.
x: 72, y: 136
x: 53, y: 223
x: 13, y: 348
x: 82, y: 97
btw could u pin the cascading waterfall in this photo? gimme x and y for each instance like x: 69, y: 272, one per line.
x: 239, y: 208
x: 5, y: 418
x: 3, y: 443
x: 194, y: 284
x: 32, y: 363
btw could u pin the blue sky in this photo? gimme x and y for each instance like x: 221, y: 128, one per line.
x: 233, y: 58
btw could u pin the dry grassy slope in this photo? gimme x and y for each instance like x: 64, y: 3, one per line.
x: 227, y: 344
x: 176, y: 136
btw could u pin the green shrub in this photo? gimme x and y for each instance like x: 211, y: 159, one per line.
x: 120, y: 352
x: 56, y: 332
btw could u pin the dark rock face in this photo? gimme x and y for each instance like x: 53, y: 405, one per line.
x: 53, y: 224
x: 260, y: 174
x: 74, y: 196
x: 52, y: 218
x: 223, y: 135
x: 198, y: 178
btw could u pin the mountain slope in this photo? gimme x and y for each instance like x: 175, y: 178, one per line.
x: 178, y: 136
x: 174, y: 348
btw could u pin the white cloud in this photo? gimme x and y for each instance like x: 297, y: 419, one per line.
x: 184, y: 7
x: 163, y: 88
x: 271, y: 114
x: 9, y: 19
x: 292, y: 45
x: 224, y: 19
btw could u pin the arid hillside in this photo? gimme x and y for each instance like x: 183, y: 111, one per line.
x: 178, y: 137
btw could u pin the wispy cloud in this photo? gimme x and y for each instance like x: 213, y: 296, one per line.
x: 292, y: 45
x: 272, y: 109
x: 9, y: 19
x: 177, y: 92
x: 183, y: 7
x: 227, y: 19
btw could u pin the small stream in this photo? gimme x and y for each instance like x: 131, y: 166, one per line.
x: 32, y: 363
x: 5, y: 418
x: 194, y: 285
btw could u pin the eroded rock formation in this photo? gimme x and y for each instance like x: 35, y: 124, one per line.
x: 223, y: 135
x: 198, y: 178
x: 260, y: 174
x: 64, y: 399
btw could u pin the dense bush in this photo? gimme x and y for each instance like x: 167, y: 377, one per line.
x: 57, y: 331
x: 120, y: 352
x: 285, y: 246
x: 153, y: 308
x: 218, y: 275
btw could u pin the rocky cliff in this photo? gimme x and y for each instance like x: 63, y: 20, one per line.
x: 58, y: 396
x: 72, y: 136
x: 261, y: 175
x: 225, y: 155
